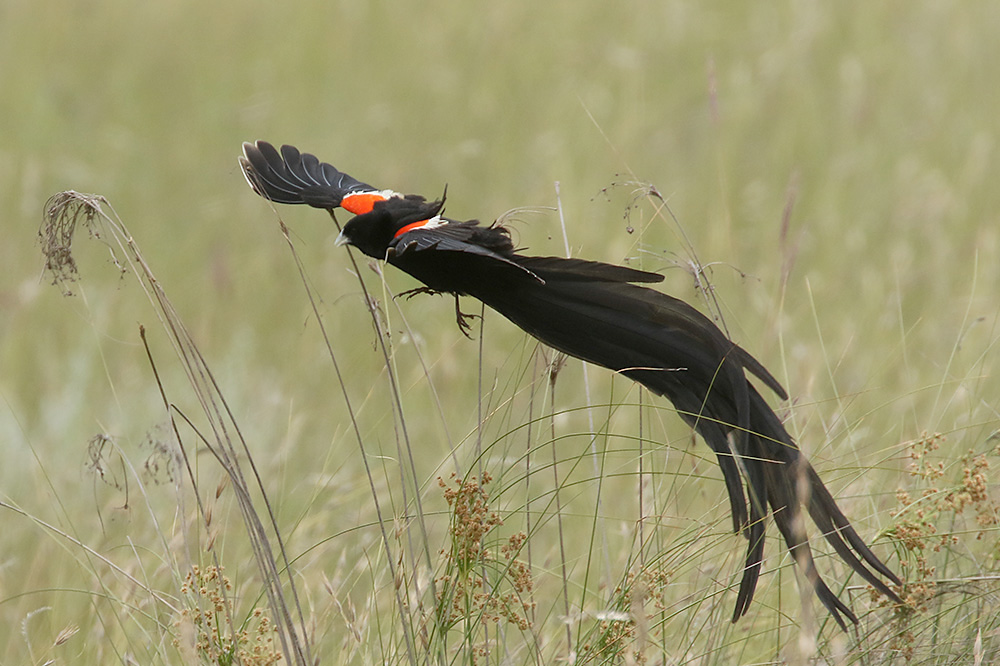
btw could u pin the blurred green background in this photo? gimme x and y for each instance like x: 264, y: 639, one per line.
x: 835, y: 162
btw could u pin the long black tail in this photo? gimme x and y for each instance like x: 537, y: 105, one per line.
x: 676, y: 352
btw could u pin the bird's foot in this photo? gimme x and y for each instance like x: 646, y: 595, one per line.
x: 410, y: 293
x: 462, y: 319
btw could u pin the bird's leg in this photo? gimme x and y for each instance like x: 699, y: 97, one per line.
x: 410, y: 293
x: 461, y: 318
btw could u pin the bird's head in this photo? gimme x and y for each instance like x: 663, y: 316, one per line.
x: 376, y: 231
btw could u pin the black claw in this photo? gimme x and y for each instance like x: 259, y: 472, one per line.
x: 410, y: 293
x: 461, y: 317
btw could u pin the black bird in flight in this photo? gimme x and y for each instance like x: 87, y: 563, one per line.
x: 598, y: 312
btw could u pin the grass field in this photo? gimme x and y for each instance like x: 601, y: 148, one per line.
x: 833, y: 167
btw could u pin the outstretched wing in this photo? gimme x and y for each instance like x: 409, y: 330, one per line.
x: 291, y: 177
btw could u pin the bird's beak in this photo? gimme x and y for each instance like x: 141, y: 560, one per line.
x: 341, y: 239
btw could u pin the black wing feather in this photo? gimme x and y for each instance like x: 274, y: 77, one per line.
x: 456, y: 237
x: 291, y: 177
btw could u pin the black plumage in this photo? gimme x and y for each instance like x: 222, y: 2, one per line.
x: 599, y: 313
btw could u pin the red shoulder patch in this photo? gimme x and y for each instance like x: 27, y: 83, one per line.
x: 410, y: 227
x: 360, y: 203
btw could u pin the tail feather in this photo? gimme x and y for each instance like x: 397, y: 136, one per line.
x: 788, y: 518
x: 755, y: 532
x: 836, y: 529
